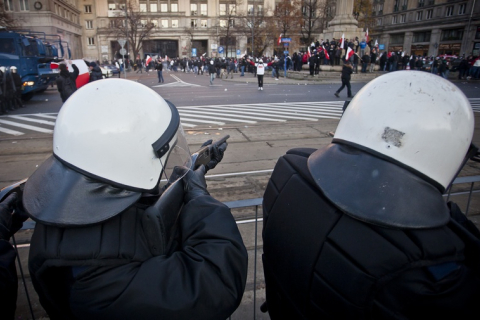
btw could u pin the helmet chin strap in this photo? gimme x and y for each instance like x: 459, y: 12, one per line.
x: 472, y: 154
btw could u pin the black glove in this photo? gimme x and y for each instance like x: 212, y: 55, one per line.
x: 6, y: 210
x: 217, y: 154
x: 194, y: 184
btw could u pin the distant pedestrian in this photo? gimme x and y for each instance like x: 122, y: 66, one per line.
x: 159, y: 68
x: 95, y: 72
x: 66, y: 81
x: 347, y: 70
x: 211, y: 72
x: 260, y: 66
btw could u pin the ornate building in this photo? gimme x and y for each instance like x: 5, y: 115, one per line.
x: 428, y: 27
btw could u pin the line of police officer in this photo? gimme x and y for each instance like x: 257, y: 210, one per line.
x: 10, y: 89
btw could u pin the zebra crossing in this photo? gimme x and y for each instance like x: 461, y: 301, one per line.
x: 194, y: 116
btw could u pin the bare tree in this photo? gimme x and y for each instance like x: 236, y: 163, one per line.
x: 362, y: 9
x: 288, y: 19
x: 257, y: 24
x: 134, y: 27
x: 314, y: 13
x: 226, y: 26
x: 6, y: 19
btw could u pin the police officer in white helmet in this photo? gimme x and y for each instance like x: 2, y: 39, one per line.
x: 107, y: 243
x: 359, y: 229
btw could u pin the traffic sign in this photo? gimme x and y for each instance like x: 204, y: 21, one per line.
x: 239, y: 52
x: 286, y: 39
x: 220, y: 49
x: 194, y: 52
x: 123, y: 51
x: 122, y: 42
x: 286, y: 52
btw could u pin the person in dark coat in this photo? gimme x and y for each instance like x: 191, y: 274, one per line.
x: 347, y: 71
x: 112, y: 240
x: 359, y: 229
x: 159, y: 68
x: 11, y: 220
x: 95, y: 72
x: 66, y: 81
x: 311, y: 64
x: 365, y: 62
x: 17, y: 81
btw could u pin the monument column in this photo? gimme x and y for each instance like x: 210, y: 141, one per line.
x: 343, y: 23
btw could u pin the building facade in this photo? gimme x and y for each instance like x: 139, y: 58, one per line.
x: 56, y: 19
x: 428, y: 27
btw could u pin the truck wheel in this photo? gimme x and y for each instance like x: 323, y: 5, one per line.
x: 27, y: 96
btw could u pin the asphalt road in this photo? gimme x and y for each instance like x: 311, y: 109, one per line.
x: 251, y: 155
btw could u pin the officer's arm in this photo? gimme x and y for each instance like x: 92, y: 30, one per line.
x: 205, y: 279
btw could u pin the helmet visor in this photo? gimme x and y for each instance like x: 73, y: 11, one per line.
x: 179, y: 157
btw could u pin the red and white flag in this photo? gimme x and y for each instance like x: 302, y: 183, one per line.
x: 279, y: 39
x: 350, y: 53
x: 148, y: 60
x: 54, y: 65
x: 342, y: 40
x: 308, y: 52
x: 326, y: 53
x: 366, y: 36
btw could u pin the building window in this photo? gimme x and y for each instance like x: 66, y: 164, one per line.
x: 419, y: 15
x: 394, y: 19
x: 462, y: 8
x: 203, y: 9
x: 164, y: 7
x: 203, y: 23
x: 153, y: 7
x: 223, y: 23
x: 88, y: 9
x: 379, y: 22
x: 403, y: 18
x: 405, y: 5
x: 143, y: 23
x: 24, y: 5
x: 112, y: 6
x: 452, y: 34
x: 429, y: 14
x: 421, y: 3
x: 7, y: 4
x: 164, y: 23
x: 422, y: 36
x: 449, y: 11
x: 143, y: 7
x: 88, y: 24
x: 231, y: 23
x: 223, y: 9
x: 193, y: 9
x: 193, y: 23
x: 91, y: 41
x: 250, y: 9
x: 154, y: 22
x: 174, y: 7
x: 174, y: 23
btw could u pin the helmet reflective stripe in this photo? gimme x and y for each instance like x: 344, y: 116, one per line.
x: 415, y: 118
x: 107, y: 129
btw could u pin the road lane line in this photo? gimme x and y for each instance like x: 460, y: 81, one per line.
x: 51, y: 123
x: 26, y: 126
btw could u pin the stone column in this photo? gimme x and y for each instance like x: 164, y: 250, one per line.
x: 343, y: 23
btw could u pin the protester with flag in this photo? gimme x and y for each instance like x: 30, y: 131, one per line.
x: 349, y: 54
x: 347, y: 70
x: 95, y: 72
x: 366, y: 36
x: 342, y: 41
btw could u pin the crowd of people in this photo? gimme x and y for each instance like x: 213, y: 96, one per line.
x: 10, y: 89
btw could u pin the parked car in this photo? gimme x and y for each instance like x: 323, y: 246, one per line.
x: 106, y: 72
x: 111, y: 67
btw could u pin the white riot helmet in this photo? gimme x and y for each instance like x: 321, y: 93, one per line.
x: 2, y: 68
x: 113, y: 140
x: 13, y: 69
x: 415, y: 118
x: 211, y: 62
x: 400, y: 143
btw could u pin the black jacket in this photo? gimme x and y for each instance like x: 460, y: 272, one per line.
x: 96, y: 74
x: 66, y: 83
x: 114, y: 270
x: 321, y: 263
x: 347, y: 70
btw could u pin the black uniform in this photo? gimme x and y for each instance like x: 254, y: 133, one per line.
x: 142, y: 263
x: 347, y: 71
x: 322, y: 262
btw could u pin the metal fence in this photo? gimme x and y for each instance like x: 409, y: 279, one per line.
x: 255, y: 203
